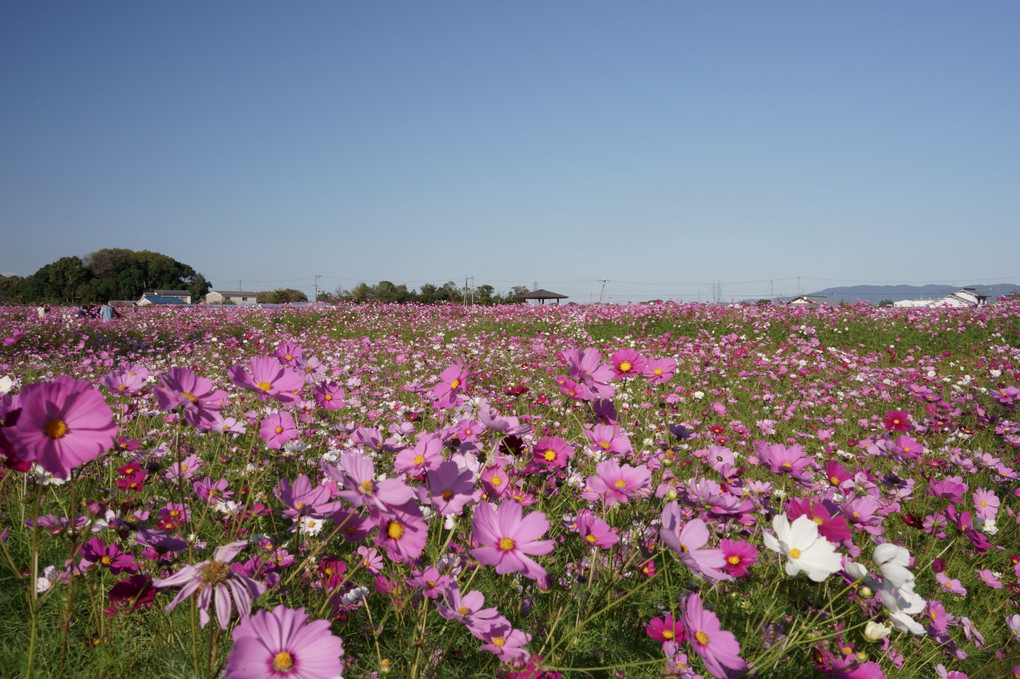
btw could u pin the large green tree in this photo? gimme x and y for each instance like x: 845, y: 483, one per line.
x: 110, y: 273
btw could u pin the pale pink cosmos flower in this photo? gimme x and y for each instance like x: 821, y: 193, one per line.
x: 613, y: 483
x: 467, y: 608
x: 452, y: 383
x: 216, y: 583
x: 268, y: 378
x: 283, y: 643
x: 356, y: 473
x: 717, y: 647
x: 687, y: 542
x: 506, y: 538
x: 63, y: 423
x: 196, y: 395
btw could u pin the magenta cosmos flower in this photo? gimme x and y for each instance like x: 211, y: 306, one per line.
x: 63, y: 423
x: 507, y: 536
x: 283, y: 643
x: 717, y: 647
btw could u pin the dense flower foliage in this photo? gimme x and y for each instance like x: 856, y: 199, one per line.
x: 674, y: 489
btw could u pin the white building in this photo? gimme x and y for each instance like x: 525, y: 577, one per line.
x: 239, y: 298
x: 964, y: 297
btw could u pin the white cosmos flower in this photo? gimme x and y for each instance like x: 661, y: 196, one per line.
x: 805, y: 550
x: 874, y: 631
x: 894, y: 561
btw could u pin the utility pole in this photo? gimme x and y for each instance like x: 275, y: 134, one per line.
x: 316, y: 298
x: 602, y: 294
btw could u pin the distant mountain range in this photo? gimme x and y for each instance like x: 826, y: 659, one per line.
x: 877, y: 293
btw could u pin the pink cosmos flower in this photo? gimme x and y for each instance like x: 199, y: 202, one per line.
x: 613, y: 483
x: 552, y: 452
x: 988, y: 577
x: 277, y: 429
x: 627, y: 363
x: 213, y: 579
x: 739, y: 555
x: 504, y: 641
x: 431, y: 582
x: 95, y: 551
x: 282, y: 643
x: 449, y: 488
x: 948, y: 584
x: 608, y: 438
x: 718, y: 648
x: 792, y: 460
x: 452, y: 383
x: 687, y: 542
x: 182, y: 387
x: 63, y: 423
x: 268, y: 378
x: 357, y: 474
x: 594, y: 530
x: 896, y: 420
x: 303, y: 499
x: 426, y: 454
x: 329, y: 395
x: 402, y: 532
x: 467, y: 609
x: 986, y: 504
x: 666, y: 630
x: 288, y: 354
x: 506, y: 538
x: 585, y: 366
x: 660, y: 370
x: 129, y: 379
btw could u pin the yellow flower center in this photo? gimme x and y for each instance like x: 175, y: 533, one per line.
x: 549, y: 455
x: 984, y: 504
x: 658, y: 371
x: 734, y: 560
x: 702, y: 638
x: 496, y: 481
x: 463, y: 610
x: 190, y: 397
x: 620, y: 483
x: 455, y: 383
x: 418, y: 459
x: 605, y: 444
x: 282, y: 661
x: 279, y: 429
x: 366, y: 487
x: 506, y: 544
x: 625, y: 366
x: 265, y: 386
x: 499, y: 642
x: 56, y: 429
x: 122, y: 387
x: 447, y: 494
x: 395, y: 530
x: 817, y: 520
x: 833, y: 480
x: 106, y: 560
x: 794, y: 553
x: 328, y: 397
x: 667, y: 634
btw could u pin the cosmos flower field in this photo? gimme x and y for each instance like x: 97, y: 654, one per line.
x: 522, y: 491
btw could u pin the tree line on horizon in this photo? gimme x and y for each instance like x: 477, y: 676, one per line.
x: 107, y: 274
x: 448, y: 293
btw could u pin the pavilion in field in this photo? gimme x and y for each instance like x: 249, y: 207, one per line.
x: 542, y: 295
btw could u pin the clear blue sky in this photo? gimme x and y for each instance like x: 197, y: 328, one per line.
x: 662, y: 146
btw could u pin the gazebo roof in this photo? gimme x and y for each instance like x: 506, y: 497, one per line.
x: 543, y: 295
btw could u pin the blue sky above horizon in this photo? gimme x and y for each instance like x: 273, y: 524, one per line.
x: 662, y: 147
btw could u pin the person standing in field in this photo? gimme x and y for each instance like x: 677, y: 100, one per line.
x: 106, y: 312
